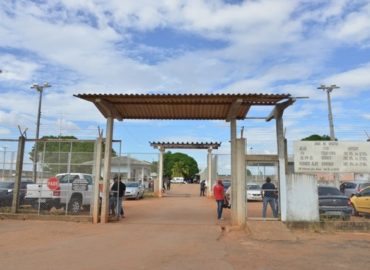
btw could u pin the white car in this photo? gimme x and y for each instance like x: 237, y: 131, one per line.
x: 134, y: 190
x: 178, y: 180
x: 254, y: 192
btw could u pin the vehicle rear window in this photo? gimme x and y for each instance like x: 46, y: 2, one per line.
x: 325, y: 191
x: 253, y: 187
x: 350, y: 185
x: 132, y: 184
x: 6, y: 185
x: 364, y: 185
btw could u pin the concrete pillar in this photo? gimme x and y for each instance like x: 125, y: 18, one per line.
x: 106, y: 173
x: 159, y: 184
x: 214, y: 170
x: 209, y: 173
x: 281, y: 168
x: 97, y: 173
x: 18, y: 174
x: 240, y: 203
x: 234, y: 185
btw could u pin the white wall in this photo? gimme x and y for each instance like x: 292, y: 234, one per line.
x: 302, y: 198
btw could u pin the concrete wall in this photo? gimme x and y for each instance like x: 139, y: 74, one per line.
x: 302, y: 198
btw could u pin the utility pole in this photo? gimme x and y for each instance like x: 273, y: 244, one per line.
x: 328, y: 90
x: 40, y: 89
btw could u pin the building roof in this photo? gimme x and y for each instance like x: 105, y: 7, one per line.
x: 180, y: 106
x: 187, y: 145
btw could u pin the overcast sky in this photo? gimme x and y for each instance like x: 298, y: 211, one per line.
x: 178, y: 46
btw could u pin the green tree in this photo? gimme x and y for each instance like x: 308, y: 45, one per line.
x: 179, y: 164
x: 316, y: 137
x: 62, y: 156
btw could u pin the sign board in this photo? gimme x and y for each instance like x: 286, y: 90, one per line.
x: 53, y: 183
x: 331, y: 156
x: 79, y: 185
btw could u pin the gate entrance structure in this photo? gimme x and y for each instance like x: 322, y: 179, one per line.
x: 228, y: 107
x: 162, y: 146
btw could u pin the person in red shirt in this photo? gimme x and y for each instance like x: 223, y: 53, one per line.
x: 219, y: 195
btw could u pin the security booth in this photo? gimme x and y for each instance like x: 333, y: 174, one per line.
x: 227, y: 107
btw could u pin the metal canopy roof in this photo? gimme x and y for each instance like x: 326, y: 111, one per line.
x: 180, y: 106
x: 188, y: 145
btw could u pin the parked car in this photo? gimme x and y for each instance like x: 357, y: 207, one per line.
x: 71, y: 189
x: 178, y: 180
x: 351, y: 188
x: 134, y: 190
x: 361, y: 202
x: 332, y: 203
x: 254, y: 192
x: 6, y: 192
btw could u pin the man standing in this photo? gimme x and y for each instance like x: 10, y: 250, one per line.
x: 118, y: 190
x: 202, y: 188
x: 219, y: 194
x: 268, y: 194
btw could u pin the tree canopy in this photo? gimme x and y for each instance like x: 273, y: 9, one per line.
x: 63, y: 156
x: 315, y: 137
x: 179, y: 165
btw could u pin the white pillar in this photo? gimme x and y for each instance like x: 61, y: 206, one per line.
x: 281, y: 168
x: 214, y: 170
x: 209, y: 173
x: 240, y: 203
x: 107, y: 176
x: 158, y: 184
x: 234, y: 185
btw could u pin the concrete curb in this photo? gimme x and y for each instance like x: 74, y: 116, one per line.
x: 87, y: 219
x: 330, y: 226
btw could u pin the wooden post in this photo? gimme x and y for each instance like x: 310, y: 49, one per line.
x: 106, y: 178
x: 18, y: 174
x: 97, y: 173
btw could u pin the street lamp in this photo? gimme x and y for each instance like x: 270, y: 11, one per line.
x: 39, y: 88
x: 328, y: 90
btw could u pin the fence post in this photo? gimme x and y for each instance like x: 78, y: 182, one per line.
x: 97, y: 173
x: 18, y: 174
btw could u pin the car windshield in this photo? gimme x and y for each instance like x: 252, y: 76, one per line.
x: 132, y: 184
x: 253, y: 187
x: 6, y: 185
x: 325, y: 191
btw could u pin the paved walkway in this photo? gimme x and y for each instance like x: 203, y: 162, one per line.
x: 179, y: 231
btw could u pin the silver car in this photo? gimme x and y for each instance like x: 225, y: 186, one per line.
x: 351, y: 188
x: 134, y: 190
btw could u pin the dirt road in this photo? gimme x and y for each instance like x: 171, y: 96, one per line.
x: 179, y: 231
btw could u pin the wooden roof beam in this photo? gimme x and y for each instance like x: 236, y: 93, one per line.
x: 233, y: 109
x: 108, y: 109
x: 279, y: 109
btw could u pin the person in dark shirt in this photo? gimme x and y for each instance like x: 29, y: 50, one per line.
x: 269, y: 195
x: 202, y: 188
x: 117, y: 193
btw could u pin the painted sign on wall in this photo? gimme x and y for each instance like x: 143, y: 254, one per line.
x: 331, y: 156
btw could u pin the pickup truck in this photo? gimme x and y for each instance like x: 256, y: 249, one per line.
x: 73, y: 190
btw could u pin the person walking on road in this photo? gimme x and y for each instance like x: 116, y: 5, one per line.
x: 219, y: 194
x: 202, y: 188
x: 268, y: 195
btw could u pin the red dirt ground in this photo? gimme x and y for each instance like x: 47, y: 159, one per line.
x: 179, y: 231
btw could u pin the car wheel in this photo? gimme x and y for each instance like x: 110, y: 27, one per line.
x: 137, y: 196
x: 354, y: 211
x: 74, y: 205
